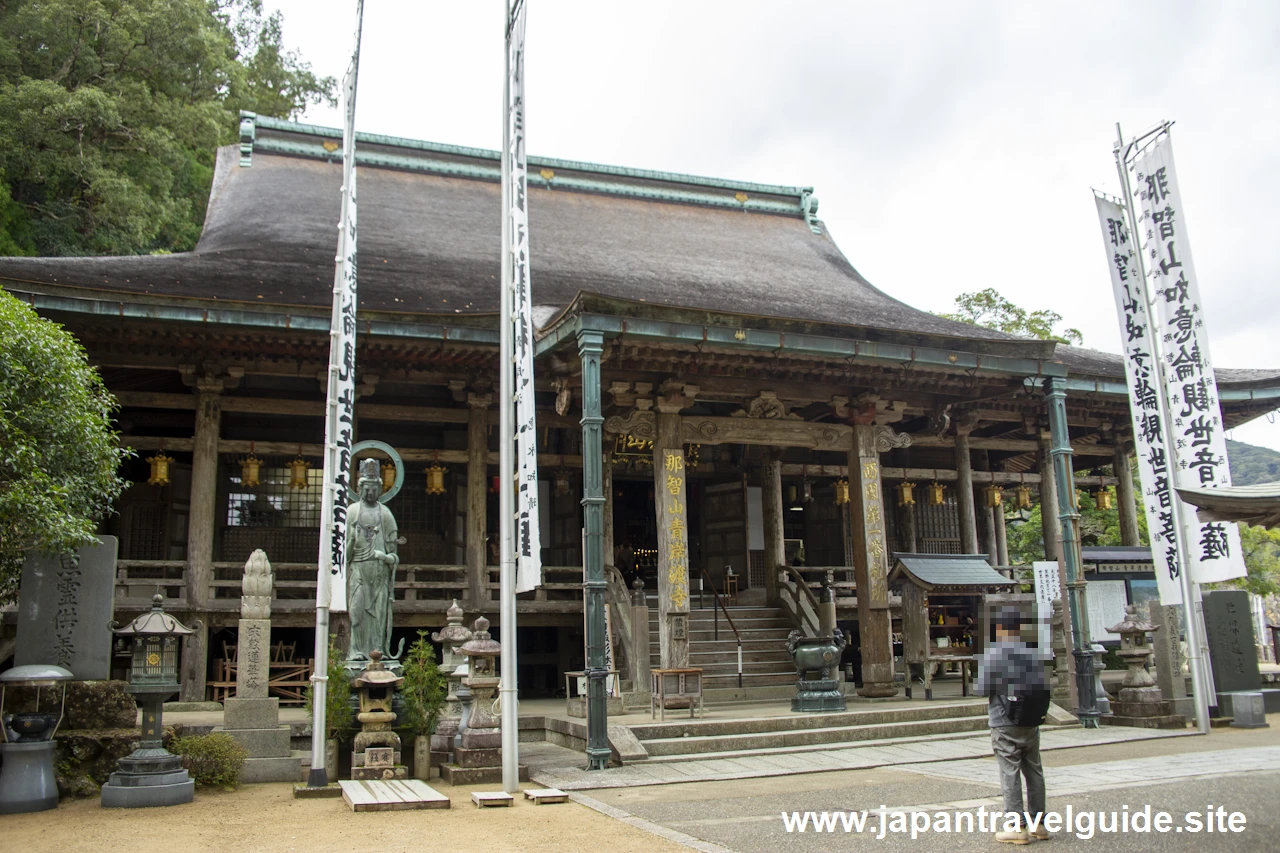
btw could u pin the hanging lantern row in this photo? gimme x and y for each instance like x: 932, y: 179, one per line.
x: 250, y: 471
x: 842, y: 492
x: 1102, y: 497
x: 159, y: 469
x: 993, y: 496
x: 934, y: 492
x: 1022, y: 496
x: 906, y: 493
x: 435, y: 479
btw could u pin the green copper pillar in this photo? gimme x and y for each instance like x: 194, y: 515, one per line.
x: 590, y: 345
x: 1069, y: 516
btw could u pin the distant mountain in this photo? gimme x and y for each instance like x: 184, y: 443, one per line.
x: 1251, y: 465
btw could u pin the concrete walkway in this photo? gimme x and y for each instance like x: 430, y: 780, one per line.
x: 867, y: 754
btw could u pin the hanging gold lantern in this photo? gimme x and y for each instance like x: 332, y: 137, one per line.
x: 435, y: 479
x: 934, y: 492
x: 791, y: 495
x: 842, y: 492
x: 250, y: 468
x: 1023, y: 496
x: 388, y: 476
x: 298, y: 473
x: 994, y: 496
x: 159, y: 469
x: 906, y: 494
x: 1102, y: 497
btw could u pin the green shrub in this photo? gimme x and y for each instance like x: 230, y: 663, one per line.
x: 337, y: 698
x: 214, y: 760
x: 424, y: 688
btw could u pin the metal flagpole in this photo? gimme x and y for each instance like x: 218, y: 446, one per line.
x: 339, y: 417
x: 506, y: 462
x: 1189, y: 597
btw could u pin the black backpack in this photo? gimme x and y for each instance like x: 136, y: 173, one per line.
x: 1031, y: 708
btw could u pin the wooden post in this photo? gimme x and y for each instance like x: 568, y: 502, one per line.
x: 200, y: 527
x: 477, y: 502
x: 915, y: 630
x: 771, y: 506
x: 1125, y: 503
x: 870, y: 563
x: 673, y: 542
x: 964, y: 495
x: 1049, y: 505
x: 986, y: 514
x: 1002, y: 539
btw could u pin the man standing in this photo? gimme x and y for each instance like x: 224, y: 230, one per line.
x: 1012, y: 675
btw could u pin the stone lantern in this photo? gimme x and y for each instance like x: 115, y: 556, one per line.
x: 451, y: 638
x: 151, y: 775
x: 481, y: 651
x: 1140, y: 702
x: 376, y: 751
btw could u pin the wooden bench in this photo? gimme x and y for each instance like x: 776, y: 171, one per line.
x: 676, y: 688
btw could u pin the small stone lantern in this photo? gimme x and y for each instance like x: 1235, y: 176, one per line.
x: 1140, y: 702
x: 1134, y: 647
x: 376, y: 751
x: 482, y: 651
x: 451, y: 638
x: 151, y: 775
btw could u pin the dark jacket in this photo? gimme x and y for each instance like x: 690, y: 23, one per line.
x: 1008, y: 669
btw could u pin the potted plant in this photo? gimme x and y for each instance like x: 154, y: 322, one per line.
x: 337, y: 706
x: 423, y: 693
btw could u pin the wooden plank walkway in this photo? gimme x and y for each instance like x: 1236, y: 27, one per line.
x: 393, y: 795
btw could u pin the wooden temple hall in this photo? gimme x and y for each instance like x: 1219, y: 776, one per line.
x: 725, y: 406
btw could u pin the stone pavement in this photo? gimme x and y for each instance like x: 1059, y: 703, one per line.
x: 867, y: 754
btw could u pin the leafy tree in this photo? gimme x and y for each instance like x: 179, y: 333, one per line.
x: 425, y: 687
x: 1097, y: 527
x: 111, y: 112
x: 988, y: 308
x: 1261, y: 559
x: 1252, y: 465
x: 60, y: 461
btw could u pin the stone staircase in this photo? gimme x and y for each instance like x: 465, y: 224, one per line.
x: 688, y: 740
x: 767, y: 671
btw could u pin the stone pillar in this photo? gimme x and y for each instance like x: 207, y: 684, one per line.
x: 771, y: 504
x: 870, y: 562
x: 641, y: 666
x: 590, y: 346
x: 673, y: 541
x: 477, y: 500
x: 1126, y: 506
x: 200, y: 527
x: 1166, y: 642
x: 964, y: 495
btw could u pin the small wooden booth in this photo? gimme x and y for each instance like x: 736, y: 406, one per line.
x: 942, y: 598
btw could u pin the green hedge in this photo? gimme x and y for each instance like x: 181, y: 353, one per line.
x: 214, y: 760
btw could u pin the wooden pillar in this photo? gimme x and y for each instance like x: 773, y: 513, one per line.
x: 1049, y: 505
x: 477, y: 502
x: 870, y: 563
x: 1002, y: 539
x: 964, y: 496
x: 673, y: 542
x: 915, y: 630
x: 907, y: 524
x: 201, y: 523
x: 986, y: 514
x: 771, y: 506
x: 607, y: 477
x: 1125, y: 503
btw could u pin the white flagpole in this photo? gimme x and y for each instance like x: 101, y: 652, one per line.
x: 507, y: 690
x: 1189, y: 597
x: 340, y: 409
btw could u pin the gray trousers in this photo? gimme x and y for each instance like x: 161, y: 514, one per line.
x: 1017, y: 750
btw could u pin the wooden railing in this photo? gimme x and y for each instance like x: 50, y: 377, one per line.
x: 419, y: 587
x: 798, y: 600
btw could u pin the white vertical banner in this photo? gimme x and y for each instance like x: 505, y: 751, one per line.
x: 1142, y: 375
x: 1192, y: 390
x: 341, y: 397
x: 528, y: 541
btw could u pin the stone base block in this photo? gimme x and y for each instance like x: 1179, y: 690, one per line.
x: 251, y: 713
x: 462, y: 776
x: 464, y: 757
x: 262, y: 743
x: 379, y: 774
x: 139, y: 791
x: 576, y: 706
x: 440, y: 758
x: 1167, y: 721
x: 270, y: 770
x: 304, y: 792
x: 1247, y: 710
x: 482, y: 739
x: 878, y: 690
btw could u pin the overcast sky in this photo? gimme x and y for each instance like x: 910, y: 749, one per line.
x: 952, y: 145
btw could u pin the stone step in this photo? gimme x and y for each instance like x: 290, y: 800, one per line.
x: 700, y: 745
x: 863, y: 715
